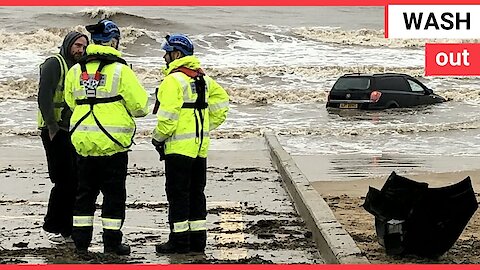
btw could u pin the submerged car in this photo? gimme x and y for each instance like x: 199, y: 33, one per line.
x: 380, y: 91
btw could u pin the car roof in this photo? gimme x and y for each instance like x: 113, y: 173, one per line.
x: 376, y: 75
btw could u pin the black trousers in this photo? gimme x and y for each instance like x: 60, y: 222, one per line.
x: 107, y: 174
x: 185, y: 187
x: 61, y: 157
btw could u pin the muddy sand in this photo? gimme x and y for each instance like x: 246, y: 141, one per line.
x: 345, y: 198
x: 250, y: 219
x: 250, y: 216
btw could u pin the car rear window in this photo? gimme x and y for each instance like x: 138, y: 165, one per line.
x: 352, y: 83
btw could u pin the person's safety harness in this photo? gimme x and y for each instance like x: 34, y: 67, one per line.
x: 200, y: 103
x: 90, y: 85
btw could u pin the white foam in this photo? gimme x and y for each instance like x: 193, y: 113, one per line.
x: 100, y: 12
x: 15, y: 63
x: 365, y: 37
x: 294, y: 52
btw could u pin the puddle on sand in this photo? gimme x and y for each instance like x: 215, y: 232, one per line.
x: 352, y: 167
x: 250, y: 220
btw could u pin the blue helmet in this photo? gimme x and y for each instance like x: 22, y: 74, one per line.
x: 179, y: 42
x: 103, y: 31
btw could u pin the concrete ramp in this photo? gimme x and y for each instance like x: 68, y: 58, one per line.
x: 333, y: 241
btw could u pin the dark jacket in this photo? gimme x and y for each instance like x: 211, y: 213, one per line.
x: 49, y: 78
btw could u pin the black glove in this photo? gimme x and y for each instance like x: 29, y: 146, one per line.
x: 160, y: 147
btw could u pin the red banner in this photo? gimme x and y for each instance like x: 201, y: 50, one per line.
x: 446, y: 59
x: 230, y: 2
x: 240, y: 267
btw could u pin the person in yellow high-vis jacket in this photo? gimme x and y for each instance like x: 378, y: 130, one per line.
x: 53, y: 121
x: 105, y: 95
x: 191, y: 105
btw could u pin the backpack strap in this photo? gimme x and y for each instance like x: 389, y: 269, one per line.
x: 200, y: 103
x: 90, y: 85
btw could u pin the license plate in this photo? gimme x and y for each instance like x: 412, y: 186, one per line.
x: 348, y: 106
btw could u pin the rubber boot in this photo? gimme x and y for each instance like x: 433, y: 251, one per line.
x: 177, y: 243
x: 121, y: 249
x: 112, y: 243
x: 82, y: 236
x: 198, y: 241
x: 81, y: 251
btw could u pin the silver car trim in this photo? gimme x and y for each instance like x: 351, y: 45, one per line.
x: 350, y: 101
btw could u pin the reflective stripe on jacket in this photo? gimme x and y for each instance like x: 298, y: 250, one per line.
x: 115, y: 117
x: 58, y: 97
x: 176, y: 125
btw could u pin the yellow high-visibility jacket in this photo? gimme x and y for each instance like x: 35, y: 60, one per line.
x: 58, y: 97
x: 116, y: 117
x: 177, y: 126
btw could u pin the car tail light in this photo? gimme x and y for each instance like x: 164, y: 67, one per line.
x: 375, y: 96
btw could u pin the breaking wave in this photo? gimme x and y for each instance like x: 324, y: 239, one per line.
x: 106, y: 13
x: 133, y: 27
x: 28, y: 89
x: 18, y: 89
x: 92, y: 15
x: 406, y: 128
x: 243, y: 92
x: 315, y: 72
x: 335, y: 131
x: 365, y: 37
x: 146, y: 133
x: 49, y: 39
x: 462, y: 94
x: 245, y: 95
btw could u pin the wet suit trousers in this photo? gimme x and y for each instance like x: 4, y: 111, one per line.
x: 106, y: 174
x: 185, y: 187
x: 61, y: 158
